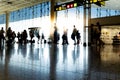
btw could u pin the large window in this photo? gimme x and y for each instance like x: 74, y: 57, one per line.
x: 67, y: 18
x: 33, y: 16
x: 39, y: 16
x: 102, y: 12
x: 2, y: 21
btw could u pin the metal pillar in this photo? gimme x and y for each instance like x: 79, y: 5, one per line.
x: 87, y: 17
x: 53, y: 15
x: 7, y: 20
x: 52, y: 12
x: 89, y: 24
x: 84, y: 31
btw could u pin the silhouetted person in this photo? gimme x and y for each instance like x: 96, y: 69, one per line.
x: 37, y: 35
x: 64, y: 38
x: 73, y: 36
x: 13, y: 36
x: 78, y: 36
x: 9, y: 35
x: 92, y: 33
x: 98, y: 33
x: 42, y: 38
x: 19, y: 37
x: 31, y: 33
x: 99, y: 26
x: 24, y: 36
x: 56, y: 35
x: 2, y: 37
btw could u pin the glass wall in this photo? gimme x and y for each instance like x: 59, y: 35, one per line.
x: 67, y: 18
x: 74, y: 16
x: 33, y: 16
x: 39, y: 16
x: 102, y: 12
x: 2, y: 21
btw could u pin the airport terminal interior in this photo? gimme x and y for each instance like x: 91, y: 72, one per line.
x: 59, y: 40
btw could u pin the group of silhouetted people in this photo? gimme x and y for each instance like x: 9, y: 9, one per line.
x: 11, y: 35
x: 23, y: 36
x: 75, y: 36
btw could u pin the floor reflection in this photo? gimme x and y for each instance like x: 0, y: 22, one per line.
x: 59, y: 62
x: 105, y: 63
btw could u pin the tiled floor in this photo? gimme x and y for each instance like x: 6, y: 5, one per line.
x: 58, y: 62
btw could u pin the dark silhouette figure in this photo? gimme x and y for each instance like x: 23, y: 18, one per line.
x: 37, y: 35
x: 2, y: 37
x: 78, y: 36
x: 31, y: 33
x: 92, y: 33
x: 56, y: 36
x: 13, y: 36
x: 73, y: 35
x: 9, y: 36
x: 19, y: 37
x: 65, y: 38
x: 24, y: 36
x: 99, y: 41
x: 42, y: 38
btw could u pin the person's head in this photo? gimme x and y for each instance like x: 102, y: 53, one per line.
x: 9, y: 28
x: 92, y: 24
x: 2, y: 28
x: 98, y: 23
x: 119, y: 32
x: 74, y: 26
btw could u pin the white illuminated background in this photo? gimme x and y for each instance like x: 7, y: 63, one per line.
x: 43, y: 23
x: 66, y: 20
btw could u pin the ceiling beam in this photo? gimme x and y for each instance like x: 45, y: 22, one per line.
x: 16, y: 6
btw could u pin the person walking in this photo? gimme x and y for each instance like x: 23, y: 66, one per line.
x: 65, y: 37
x: 73, y: 35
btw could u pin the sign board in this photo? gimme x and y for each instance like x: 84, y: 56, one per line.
x: 77, y: 3
x: 67, y: 5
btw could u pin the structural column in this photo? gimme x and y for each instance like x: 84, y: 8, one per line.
x: 53, y: 15
x: 87, y: 17
x: 84, y: 29
x: 89, y: 24
x: 7, y: 20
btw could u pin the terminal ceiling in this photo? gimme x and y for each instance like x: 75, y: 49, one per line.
x: 11, y: 5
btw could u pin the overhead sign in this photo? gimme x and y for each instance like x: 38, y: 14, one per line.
x: 67, y: 5
x: 98, y: 2
x: 77, y: 3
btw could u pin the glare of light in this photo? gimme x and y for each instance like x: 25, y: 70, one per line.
x: 68, y: 6
x: 19, y: 26
x: 57, y: 9
x: 60, y: 8
x: 71, y: 5
x: 75, y: 4
x: 68, y: 22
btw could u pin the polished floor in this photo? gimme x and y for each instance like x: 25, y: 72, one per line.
x: 59, y: 62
